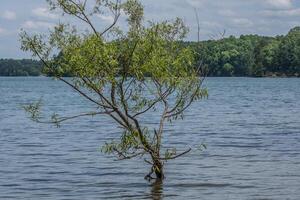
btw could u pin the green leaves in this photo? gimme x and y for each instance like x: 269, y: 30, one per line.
x: 202, y: 147
x: 34, y: 110
x: 125, y: 73
x: 128, y: 146
x: 135, y: 12
x: 35, y: 44
x: 170, y: 152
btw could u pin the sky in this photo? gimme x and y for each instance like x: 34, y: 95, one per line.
x: 236, y: 17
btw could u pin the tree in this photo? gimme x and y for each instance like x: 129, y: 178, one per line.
x: 24, y: 67
x: 251, y: 55
x: 124, y: 73
x: 290, y: 44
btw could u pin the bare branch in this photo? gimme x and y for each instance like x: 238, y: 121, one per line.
x: 198, y: 25
x: 181, y: 154
x: 82, y: 93
x: 62, y: 119
x: 148, y: 108
x: 85, y: 18
x: 117, y: 14
x: 147, y: 161
x: 122, y: 156
x: 69, y: 12
x: 186, y: 106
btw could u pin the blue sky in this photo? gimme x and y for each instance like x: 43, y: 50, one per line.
x: 263, y: 17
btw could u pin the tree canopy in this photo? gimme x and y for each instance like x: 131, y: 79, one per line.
x: 247, y: 55
x: 125, y: 73
x: 252, y: 55
x: 24, y: 67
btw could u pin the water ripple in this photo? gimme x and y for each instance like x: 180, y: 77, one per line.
x: 250, y: 126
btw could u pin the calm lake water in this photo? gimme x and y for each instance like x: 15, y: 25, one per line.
x: 250, y: 126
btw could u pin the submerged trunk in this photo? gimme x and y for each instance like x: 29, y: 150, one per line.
x: 158, y: 169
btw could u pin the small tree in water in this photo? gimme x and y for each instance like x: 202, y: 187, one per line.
x: 124, y: 73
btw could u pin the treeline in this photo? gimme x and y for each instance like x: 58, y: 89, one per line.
x: 251, y: 55
x: 248, y: 55
x: 24, y: 67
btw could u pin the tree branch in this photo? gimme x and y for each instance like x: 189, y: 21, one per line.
x: 62, y: 119
x: 173, y: 157
x: 117, y: 14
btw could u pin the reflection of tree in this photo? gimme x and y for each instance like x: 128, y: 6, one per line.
x: 157, y: 190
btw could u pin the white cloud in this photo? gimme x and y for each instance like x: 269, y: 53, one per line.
x: 37, y: 25
x: 196, y: 3
x: 226, y: 13
x: 106, y: 18
x: 7, y: 32
x: 10, y: 15
x: 282, y: 13
x: 210, y: 24
x: 293, y: 23
x: 44, y: 12
x: 281, y: 4
x: 2, y: 31
x: 242, y: 22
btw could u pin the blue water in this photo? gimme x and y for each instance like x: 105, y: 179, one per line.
x: 250, y: 126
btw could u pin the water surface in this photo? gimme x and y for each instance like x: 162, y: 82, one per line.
x: 250, y: 126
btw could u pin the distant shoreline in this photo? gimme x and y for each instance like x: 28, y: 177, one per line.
x: 275, y: 75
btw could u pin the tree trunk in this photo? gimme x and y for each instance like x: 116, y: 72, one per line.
x: 158, y: 169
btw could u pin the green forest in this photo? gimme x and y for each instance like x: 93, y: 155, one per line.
x: 252, y: 55
x: 247, y: 55
x: 24, y: 67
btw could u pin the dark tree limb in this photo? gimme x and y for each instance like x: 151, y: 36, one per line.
x: 181, y: 154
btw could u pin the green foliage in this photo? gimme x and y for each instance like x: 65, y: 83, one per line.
x: 251, y: 55
x: 34, y: 110
x: 127, y: 147
x: 24, y: 67
x: 170, y: 152
x: 288, y: 52
x: 125, y: 73
x: 146, y: 67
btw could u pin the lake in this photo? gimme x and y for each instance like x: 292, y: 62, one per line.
x: 251, y: 128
